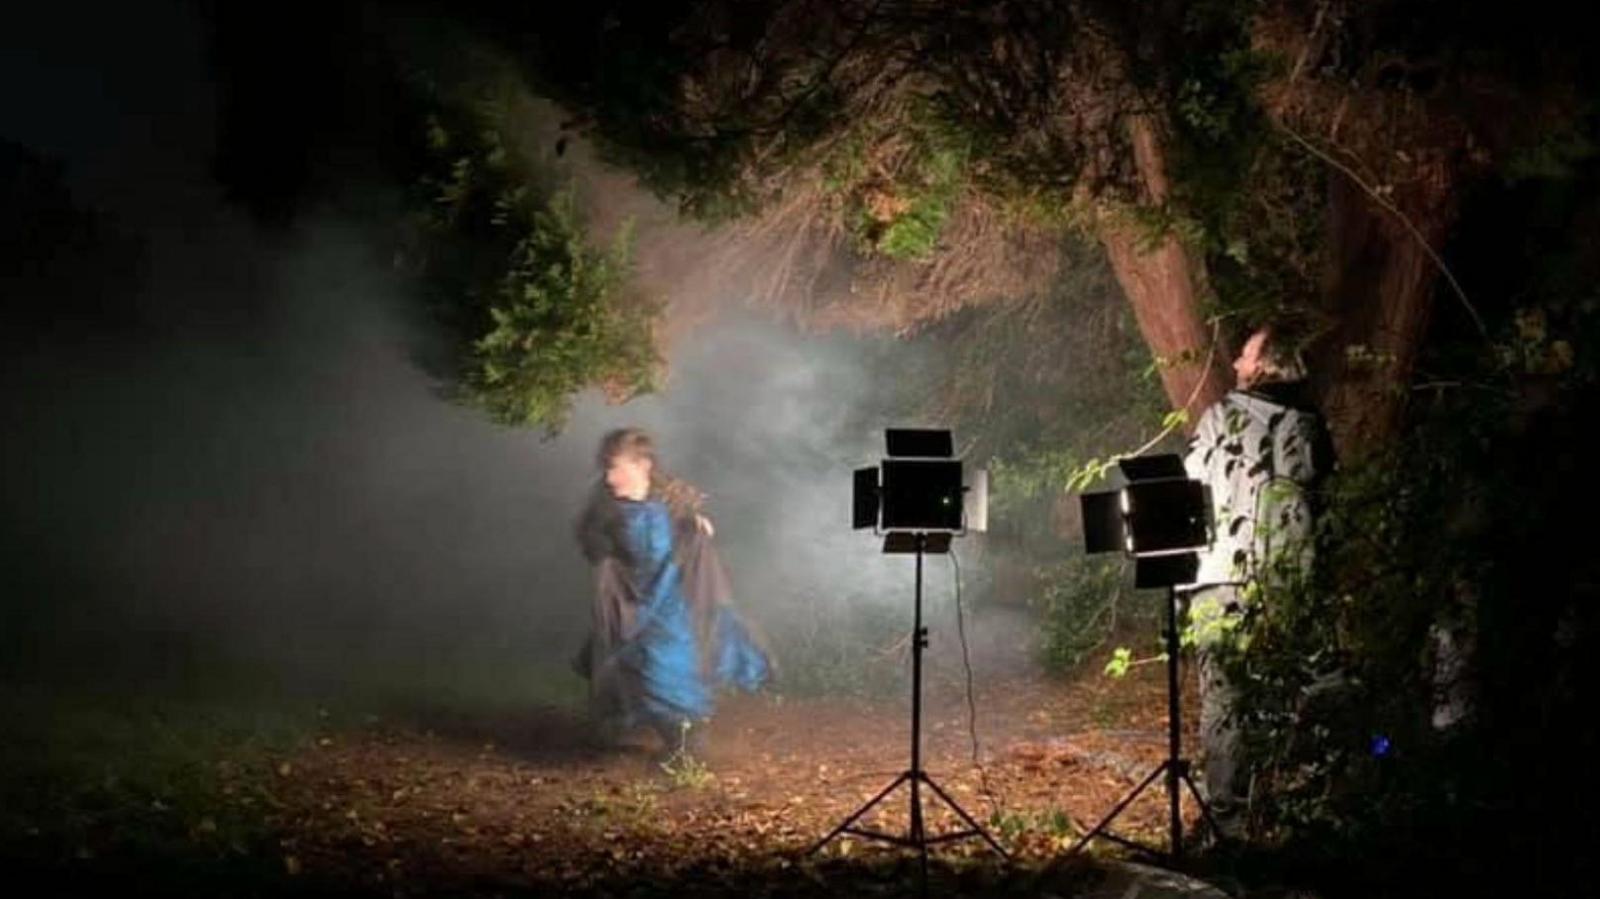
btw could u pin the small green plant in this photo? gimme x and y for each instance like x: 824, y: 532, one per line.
x: 1052, y: 824
x: 1008, y: 825
x: 641, y: 802
x: 683, y: 768
x: 636, y: 805
x: 1120, y: 663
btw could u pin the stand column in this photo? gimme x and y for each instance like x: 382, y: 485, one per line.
x: 1176, y: 769
x: 918, y: 640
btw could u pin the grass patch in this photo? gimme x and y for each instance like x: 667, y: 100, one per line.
x: 112, y: 779
x: 186, y: 769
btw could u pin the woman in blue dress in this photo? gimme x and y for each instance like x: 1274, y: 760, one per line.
x: 665, y: 637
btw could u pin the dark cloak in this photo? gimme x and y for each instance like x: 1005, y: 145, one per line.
x: 614, y: 624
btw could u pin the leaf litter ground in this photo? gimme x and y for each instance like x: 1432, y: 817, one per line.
x: 512, y: 803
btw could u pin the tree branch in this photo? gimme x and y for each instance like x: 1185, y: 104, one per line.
x: 1405, y: 220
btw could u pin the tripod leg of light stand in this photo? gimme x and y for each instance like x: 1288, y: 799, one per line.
x: 1099, y: 830
x: 1175, y: 767
x: 917, y: 834
x: 976, y: 827
x: 855, y: 816
x: 1205, y: 810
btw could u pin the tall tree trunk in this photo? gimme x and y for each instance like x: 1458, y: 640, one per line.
x: 1418, y: 146
x: 1379, y: 296
x: 1163, y: 283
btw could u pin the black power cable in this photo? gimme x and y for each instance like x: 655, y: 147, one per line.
x: 995, y: 804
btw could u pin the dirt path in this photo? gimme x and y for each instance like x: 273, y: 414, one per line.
x: 512, y: 804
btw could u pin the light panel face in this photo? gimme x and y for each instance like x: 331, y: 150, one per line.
x: 1167, y: 515
x: 921, y: 495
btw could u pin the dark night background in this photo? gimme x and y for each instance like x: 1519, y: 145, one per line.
x: 240, y: 514
x: 217, y: 439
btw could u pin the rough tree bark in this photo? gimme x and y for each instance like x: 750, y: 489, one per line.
x: 1379, y: 297
x: 1163, y: 283
x: 1418, y: 145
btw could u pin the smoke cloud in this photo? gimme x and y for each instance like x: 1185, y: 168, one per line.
x: 258, y: 469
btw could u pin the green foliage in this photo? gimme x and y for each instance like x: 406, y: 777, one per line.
x: 1531, y: 349
x: 644, y: 84
x: 914, y: 233
x: 1067, y: 373
x: 1093, y: 471
x: 188, y: 778
x: 1053, y: 823
x: 1081, y: 603
x: 535, y: 313
x: 1263, y: 225
x: 559, y: 326
x: 897, y: 200
x: 1332, y: 662
x: 1556, y: 154
x: 1019, y: 483
x: 1153, y: 224
x: 1447, y: 535
x: 635, y: 807
x: 1246, y: 198
x: 838, y: 646
x: 1120, y: 663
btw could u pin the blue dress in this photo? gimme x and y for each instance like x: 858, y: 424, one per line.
x: 664, y: 654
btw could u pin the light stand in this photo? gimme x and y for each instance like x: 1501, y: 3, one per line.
x: 916, y: 834
x: 1174, y: 766
x: 1161, y: 518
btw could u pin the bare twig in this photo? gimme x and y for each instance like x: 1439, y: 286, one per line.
x: 1211, y: 355
x: 1378, y: 198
